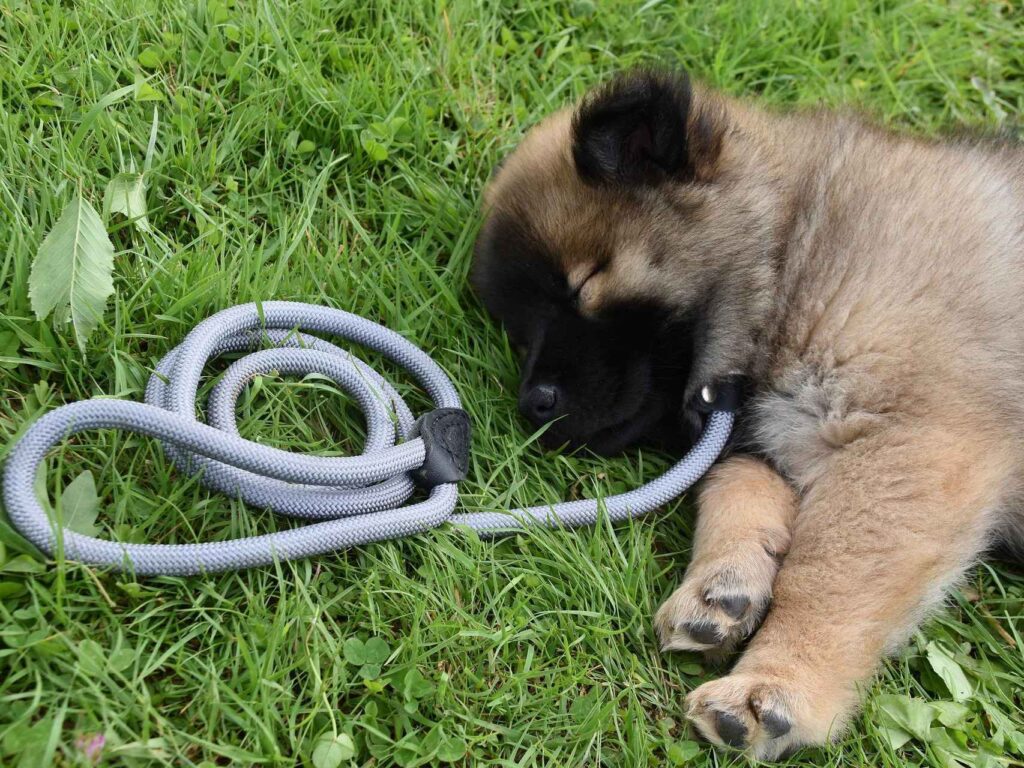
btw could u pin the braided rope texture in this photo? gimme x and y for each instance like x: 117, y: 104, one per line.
x: 349, y: 500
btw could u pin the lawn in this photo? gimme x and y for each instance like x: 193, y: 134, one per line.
x: 333, y: 152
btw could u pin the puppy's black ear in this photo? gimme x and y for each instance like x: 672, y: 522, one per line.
x: 635, y: 130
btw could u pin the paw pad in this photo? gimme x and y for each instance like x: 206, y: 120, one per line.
x: 744, y: 713
x: 731, y: 729
x: 704, y: 632
x: 774, y: 724
x: 734, y: 606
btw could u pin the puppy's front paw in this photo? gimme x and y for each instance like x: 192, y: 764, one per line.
x: 721, y: 601
x: 748, y: 712
x: 771, y: 712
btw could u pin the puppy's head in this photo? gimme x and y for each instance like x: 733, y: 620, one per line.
x: 606, y: 245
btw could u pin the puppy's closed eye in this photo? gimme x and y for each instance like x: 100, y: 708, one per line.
x: 586, y: 288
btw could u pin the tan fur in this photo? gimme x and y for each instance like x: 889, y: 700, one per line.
x: 872, y: 285
x: 742, y: 534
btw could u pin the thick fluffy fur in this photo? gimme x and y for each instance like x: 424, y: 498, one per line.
x: 871, y: 286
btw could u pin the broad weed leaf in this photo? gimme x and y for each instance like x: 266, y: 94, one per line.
x: 151, y: 57
x: 146, y: 92
x: 369, y: 671
x: 355, y: 651
x: 1005, y: 734
x: 28, y: 738
x: 92, y: 659
x: 451, y: 750
x: 683, y: 752
x: 948, y: 750
x: 23, y: 564
x: 73, y: 270
x: 10, y: 345
x: 416, y: 686
x: 126, y: 194
x: 376, y: 651
x: 896, y: 737
x: 80, y: 505
x: 950, y: 714
x: 121, y: 659
x: 331, y: 751
x: 373, y: 145
x: 904, y: 713
x: 952, y: 675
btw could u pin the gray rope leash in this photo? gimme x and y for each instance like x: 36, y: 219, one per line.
x: 352, y: 500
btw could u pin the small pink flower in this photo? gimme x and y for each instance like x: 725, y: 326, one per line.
x: 91, y: 746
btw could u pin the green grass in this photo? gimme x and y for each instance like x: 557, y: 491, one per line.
x: 333, y: 152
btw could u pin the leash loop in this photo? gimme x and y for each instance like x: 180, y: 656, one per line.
x: 350, y: 500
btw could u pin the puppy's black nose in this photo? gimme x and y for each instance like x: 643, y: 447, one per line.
x: 540, y: 403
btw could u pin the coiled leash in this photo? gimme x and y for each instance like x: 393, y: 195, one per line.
x: 352, y: 500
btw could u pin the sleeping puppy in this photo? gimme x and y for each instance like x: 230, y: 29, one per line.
x: 870, y: 286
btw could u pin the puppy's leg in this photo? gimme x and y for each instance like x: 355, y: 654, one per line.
x: 743, y: 530
x: 880, y: 536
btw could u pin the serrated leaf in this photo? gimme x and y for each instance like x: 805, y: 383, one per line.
x: 952, y: 675
x: 126, y: 194
x: 331, y: 751
x: 80, y: 505
x: 73, y: 269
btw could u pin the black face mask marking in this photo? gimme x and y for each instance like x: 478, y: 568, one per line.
x: 607, y: 382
